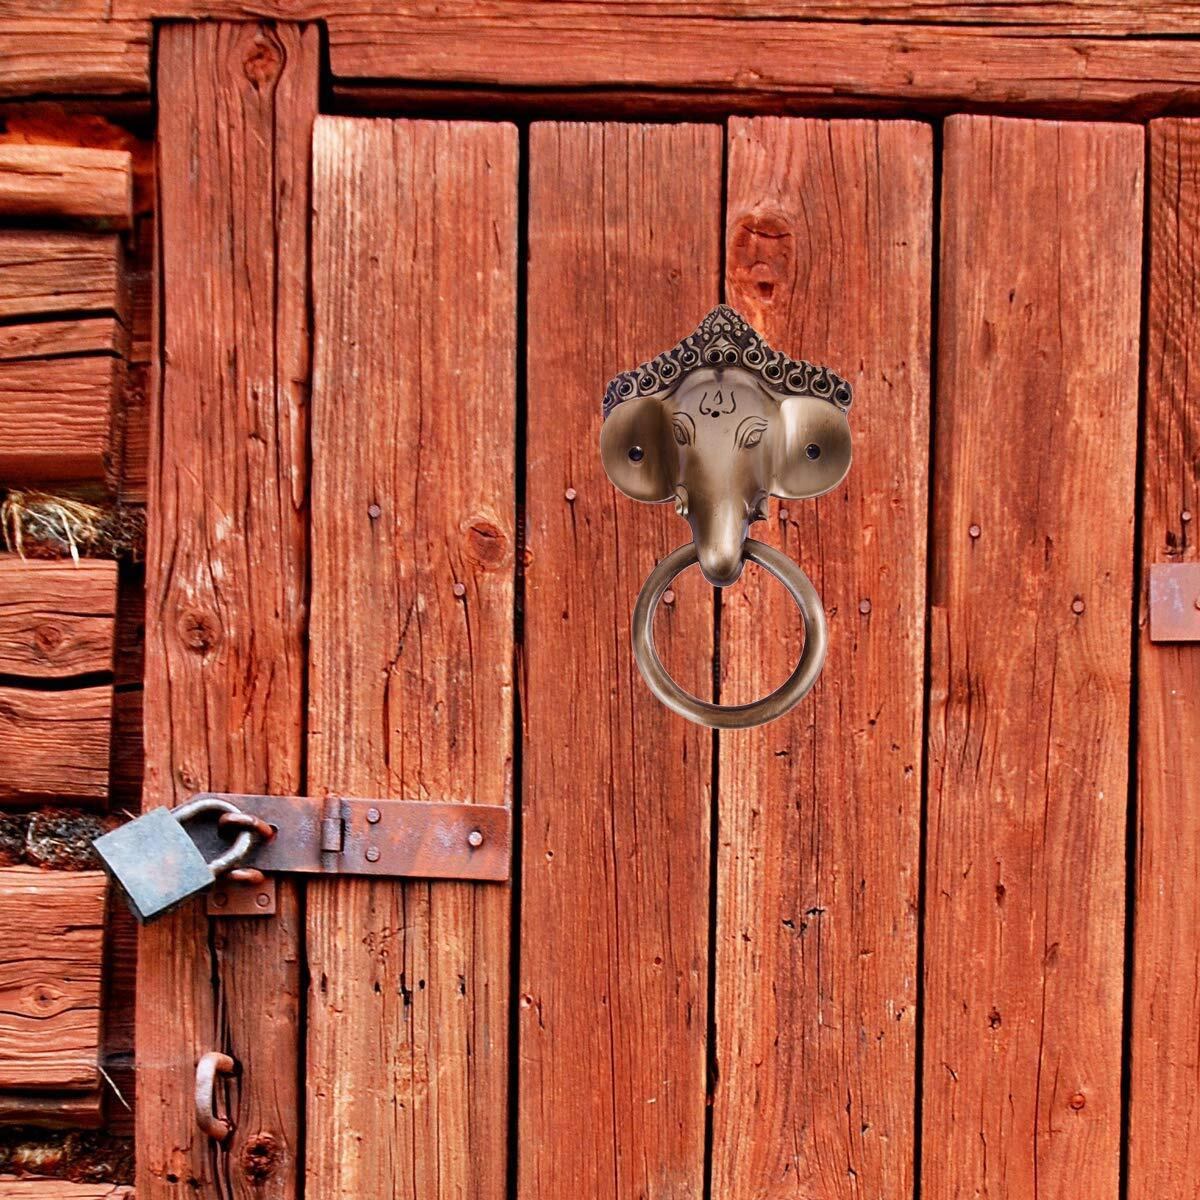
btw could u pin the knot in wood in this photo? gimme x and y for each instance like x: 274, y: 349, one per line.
x: 48, y: 637
x: 487, y: 546
x: 263, y: 61
x: 760, y: 253
x: 198, y: 630
x: 260, y: 1157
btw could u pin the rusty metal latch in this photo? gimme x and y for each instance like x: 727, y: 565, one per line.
x: 272, y: 835
x: 1175, y: 602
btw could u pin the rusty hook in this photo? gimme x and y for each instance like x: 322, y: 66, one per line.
x: 244, y: 820
x: 211, y: 1065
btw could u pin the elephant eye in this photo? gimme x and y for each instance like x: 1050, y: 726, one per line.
x: 680, y: 436
x: 636, y: 454
x: 752, y: 439
x: 812, y: 450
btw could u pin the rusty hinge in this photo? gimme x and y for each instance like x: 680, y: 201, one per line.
x: 1175, y: 602
x: 229, y: 847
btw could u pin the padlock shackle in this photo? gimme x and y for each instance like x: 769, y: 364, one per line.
x: 242, y: 844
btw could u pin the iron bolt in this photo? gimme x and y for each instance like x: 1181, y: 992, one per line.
x: 570, y: 494
x: 1186, y: 515
x: 668, y: 596
x: 220, y: 900
x: 1077, y: 1101
x: 1077, y: 605
x: 372, y: 854
x: 864, y: 606
x: 475, y: 839
x: 374, y: 511
x: 974, y: 531
x: 373, y: 815
x: 262, y: 899
x: 460, y: 590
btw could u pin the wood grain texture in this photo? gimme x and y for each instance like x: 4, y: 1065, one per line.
x: 614, y: 904
x: 59, y: 339
x: 56, y: 619
x: 55, y: 744
x: 51, y: 954
x: 226, y: 577
x: 414, y: 416
x: 43, y: 273
x: 527, y: 44
x: 1030, y: 671
x: 820, y: 811
x: 53, y: 1110
x: 1164, y: 1108
x: 71, y: 49
x: 61, y: 1189
x: 54, y: 418
x: 67, y: 182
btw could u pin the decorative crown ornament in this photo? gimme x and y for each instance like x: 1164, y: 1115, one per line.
x: 725, y: 339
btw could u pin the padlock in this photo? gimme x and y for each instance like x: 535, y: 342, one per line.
x: 157, y: 865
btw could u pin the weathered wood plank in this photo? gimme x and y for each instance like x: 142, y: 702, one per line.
x: 42, y: 273
x: 58, y: 339
x: 56, y: 619
x: 613, y: 1005
x: 61, y: 1189
x: 55, y: 744
x: 226, y: 577
x: 67, y: 182
x: 53, y: 1110
x: 1164, y: 1113
x: 527, y: 44
x: 72, y: 49
x: 820, y: 812
x: 1030, y: 671
x: 54, y: 418
x: 51, y: 954
x: 410, y: 684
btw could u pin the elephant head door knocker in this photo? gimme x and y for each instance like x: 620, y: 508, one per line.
x: 718, y: 424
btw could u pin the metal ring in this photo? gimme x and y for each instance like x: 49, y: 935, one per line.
x: 207, y: 1069
x: 730, y: 716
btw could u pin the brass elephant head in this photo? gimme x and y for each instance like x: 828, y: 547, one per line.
x: 720, y: 422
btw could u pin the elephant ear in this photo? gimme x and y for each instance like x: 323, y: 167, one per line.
x: 638, y: 451
x: 810, y: 452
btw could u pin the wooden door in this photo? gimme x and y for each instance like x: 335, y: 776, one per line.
x: 873, y: 947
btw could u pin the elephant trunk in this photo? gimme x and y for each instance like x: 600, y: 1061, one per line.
x: 719, y: 530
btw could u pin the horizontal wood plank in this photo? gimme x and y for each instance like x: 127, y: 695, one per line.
x: 60, y: 339
x: 43, y: 273
x: 61, y: 1189
x: 55, y: 744
x: 67, y: 182
x: 72, y: 49
x: 54, y: 418
x: 51, y: 953
x: 56, y: 619
x: 53, y: 1110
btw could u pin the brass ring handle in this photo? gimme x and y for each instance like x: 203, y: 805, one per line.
x: 731, y: 716
x: 211, y: 1065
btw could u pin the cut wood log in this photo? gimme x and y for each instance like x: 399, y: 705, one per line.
x: 226, y: 579
x: 43, y: 273
x: 56, y: 619
x: 817, y: 879
x: 57, y: 182
x: 613, y: 1007
x: 58, y: 339
x: 410, y: 684
x: 1036, y: 451
x: 54, y: 744
x: 1164, y: 1118
x: 51, y: 955
x: 54, y: 418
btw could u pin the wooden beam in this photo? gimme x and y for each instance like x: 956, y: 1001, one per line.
x: 410, y: 685
x: 528, y: 44
x: 613, y: 1006
x: 1164, y: 1119
x: 61, y: 1189
x: 44, y: 273
x: 56, y: 619
x: 53, y: 1110
x: 51, y: 954
x: 61, y: 339
x: 67, y: 182
x: 55, y: 415
x: 829, y: 255
x: 72, y: 50
x: 55, y: 743
x: 226, y: 578
x: 1036, y: 449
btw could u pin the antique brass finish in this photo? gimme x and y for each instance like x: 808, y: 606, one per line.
x: 731, y: 716
x: 718, y: 424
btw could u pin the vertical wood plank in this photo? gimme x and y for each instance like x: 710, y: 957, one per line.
x: 829, y: 230
x: 226, y: 577
x: 1164, y: 1106
x: 414, y: 417
x: 1029, y: 711
x: 614, y: 908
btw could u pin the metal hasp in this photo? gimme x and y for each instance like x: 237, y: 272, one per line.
x: 1175, y: 602
x: 719, y: 424
x: 166, y: 856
